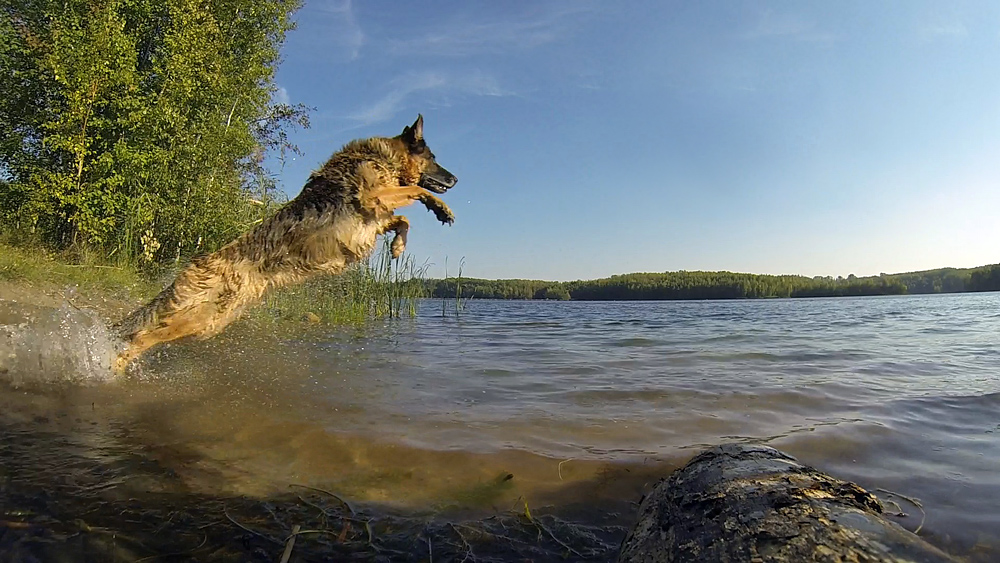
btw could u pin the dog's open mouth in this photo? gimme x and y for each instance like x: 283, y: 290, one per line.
x: 438, y: 181
x: 434, y: 185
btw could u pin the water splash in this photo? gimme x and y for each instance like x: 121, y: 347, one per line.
x: 46, y: 345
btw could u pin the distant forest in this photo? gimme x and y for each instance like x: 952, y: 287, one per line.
x: 720, y: 285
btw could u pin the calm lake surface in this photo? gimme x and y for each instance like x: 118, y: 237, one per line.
x: 585, y: 403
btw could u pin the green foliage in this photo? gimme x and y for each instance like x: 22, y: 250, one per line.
x: 986, y: 278
x: 952, y: 280
x: 727, y: 285
x: 140, y: 127
x: 485, y: 289
x: 553, y: 292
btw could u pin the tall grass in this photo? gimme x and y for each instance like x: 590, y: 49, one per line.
x: 379, y: 287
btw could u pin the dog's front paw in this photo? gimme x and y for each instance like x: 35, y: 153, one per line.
x: 440, y: 208
x: 442, y: 212
x: 445, y: 216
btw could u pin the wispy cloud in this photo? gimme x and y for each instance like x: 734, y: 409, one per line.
x: 462, y: 36
x: 388, y: 105
x: 339, y: 25
x: 788, y: 26
x: 281, y: 96
x: 440, y: 86
x: 945, y: 21
x: 943, y: 29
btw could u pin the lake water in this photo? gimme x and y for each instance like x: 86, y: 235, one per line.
x: 584, y: 403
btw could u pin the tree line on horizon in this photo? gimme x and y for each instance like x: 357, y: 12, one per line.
x: 684, y: 285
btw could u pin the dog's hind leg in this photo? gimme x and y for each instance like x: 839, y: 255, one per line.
x: 400, y: 226
x: 203, y: 299
x: 201, y: 320
x: 183, y: 323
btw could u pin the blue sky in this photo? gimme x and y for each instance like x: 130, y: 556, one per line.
x: 819, y: 138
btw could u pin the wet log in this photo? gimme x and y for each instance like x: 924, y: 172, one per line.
x: 736, y: 503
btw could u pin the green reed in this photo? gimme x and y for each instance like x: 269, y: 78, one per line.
x: 459, y: 302
x: 379, y: 287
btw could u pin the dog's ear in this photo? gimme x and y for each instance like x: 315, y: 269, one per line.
x: 412, y: 134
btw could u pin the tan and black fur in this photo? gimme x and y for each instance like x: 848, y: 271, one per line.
x: 331, y: 224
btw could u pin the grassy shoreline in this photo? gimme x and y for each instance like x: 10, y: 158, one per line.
x: 38, y: 276
x: 376, y: 288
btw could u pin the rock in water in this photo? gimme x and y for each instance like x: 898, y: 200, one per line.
x: 739, y: 503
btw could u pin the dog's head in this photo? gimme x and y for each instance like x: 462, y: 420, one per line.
x: 421, y: 166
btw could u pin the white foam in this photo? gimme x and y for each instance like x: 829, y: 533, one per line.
x: 44, y: 345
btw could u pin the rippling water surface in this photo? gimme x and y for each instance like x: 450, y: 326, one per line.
x: 584, y: 403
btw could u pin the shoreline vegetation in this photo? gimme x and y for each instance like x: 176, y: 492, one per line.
x: 691, y: 285
x: 381, y: 287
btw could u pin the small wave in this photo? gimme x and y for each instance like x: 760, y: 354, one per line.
x: 636, y: 343
x: 630, y: 322
x: 498, y: 372
x: 738, y: 337
x: 791, y: 358
x: 943, y: 330
x: 536, y: 324
x: 647, y: 395
x: 49, y: 345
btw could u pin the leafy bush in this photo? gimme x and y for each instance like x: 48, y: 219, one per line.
x: 140, y: 127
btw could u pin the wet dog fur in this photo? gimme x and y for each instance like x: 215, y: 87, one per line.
x: 331, y: 224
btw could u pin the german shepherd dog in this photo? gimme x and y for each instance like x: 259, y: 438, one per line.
x: 333, y: 223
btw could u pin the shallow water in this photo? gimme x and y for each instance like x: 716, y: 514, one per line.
x: 40, y: 345
x: 584, y: 403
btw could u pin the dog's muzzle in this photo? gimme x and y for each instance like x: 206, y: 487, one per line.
x: 437, y: 181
